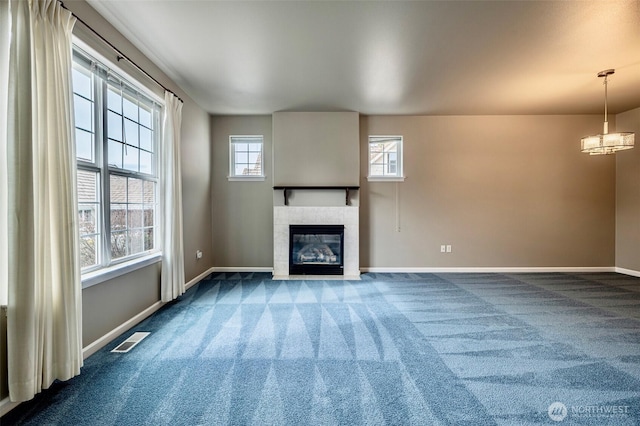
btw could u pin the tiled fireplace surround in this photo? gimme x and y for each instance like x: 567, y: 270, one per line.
x: 283, y: 216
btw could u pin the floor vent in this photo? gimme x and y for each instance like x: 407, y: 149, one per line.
x: 128, y: 344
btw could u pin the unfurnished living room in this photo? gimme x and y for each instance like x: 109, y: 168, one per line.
x: 319, y: 212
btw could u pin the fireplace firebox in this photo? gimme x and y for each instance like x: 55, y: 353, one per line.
x: 316, y: 249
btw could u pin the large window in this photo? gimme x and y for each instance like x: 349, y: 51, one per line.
x: 385, y: 158
x: 246, y: 158
x: 117, y: 132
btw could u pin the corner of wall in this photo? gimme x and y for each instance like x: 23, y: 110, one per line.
x: 627, y: 249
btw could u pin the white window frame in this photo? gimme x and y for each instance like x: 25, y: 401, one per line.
x: 259, y: 139
x: 398, y: 176
x: 108, y: 268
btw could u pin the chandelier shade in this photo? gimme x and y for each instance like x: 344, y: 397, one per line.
x: 607, y: 143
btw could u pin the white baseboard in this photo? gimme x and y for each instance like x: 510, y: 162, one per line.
x: 498, y: 269
x: 242, y: 269
x: 95, y: 346
x: 6, y: 405
x: 437, y: 270
x: 199, y: 278
x: 628, y: 272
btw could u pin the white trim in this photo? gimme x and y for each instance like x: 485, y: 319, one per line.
x: 487, y: 269
x: 95, y: 346
x: 197, y: 279
x: 399, y: 176
x: 246, y: 178
x: 242, y: 269
x: 499, y: 269
x: 627, y: 272
x: 111, y: 268
x: 6, y: 405
x: 385, y: 178
x: 115, y: 270
x: 232, y: 161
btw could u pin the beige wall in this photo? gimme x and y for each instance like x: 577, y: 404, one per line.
x: 242, y: 211
x: 107, y: 305
x: 315, y: 148
x: 196, y: 190
x: 628, y: 195
x: 504, y: 191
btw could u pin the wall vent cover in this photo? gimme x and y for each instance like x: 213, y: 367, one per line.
x: 131, y: 342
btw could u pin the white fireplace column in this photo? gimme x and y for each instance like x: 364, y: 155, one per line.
x: 283, y: 216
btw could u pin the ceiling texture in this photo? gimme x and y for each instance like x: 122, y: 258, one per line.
x: 391, y: 57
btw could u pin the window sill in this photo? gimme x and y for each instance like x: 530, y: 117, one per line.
x: 246, y: 179
x: 96, y: 277
x: 385, y: 178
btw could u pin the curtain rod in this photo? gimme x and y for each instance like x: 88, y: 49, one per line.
x: 121, y: 55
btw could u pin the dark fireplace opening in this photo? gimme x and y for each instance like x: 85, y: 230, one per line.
x: 316, y: 249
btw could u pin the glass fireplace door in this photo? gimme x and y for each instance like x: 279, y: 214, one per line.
x: 316, y: 249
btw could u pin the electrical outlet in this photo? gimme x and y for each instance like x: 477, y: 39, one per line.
x: 443, y: 248
x: 198, y: 254
x: 448, y: 248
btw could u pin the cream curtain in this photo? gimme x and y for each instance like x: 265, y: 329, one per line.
x: 5, y: 37
x: 44, y: 308
x: 172, y: 280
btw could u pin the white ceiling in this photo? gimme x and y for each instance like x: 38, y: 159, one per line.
x: 391, y: 57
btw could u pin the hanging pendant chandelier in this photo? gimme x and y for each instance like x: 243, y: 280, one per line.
x: 607, y: 143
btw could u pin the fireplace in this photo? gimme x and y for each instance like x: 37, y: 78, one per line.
x: 316, y: 249
x: 344, y: 216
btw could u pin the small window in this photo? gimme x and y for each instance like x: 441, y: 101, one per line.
x: 246, y: 155
x: 385, y: 158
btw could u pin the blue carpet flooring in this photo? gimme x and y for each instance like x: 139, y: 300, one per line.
x: 397, y: 349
